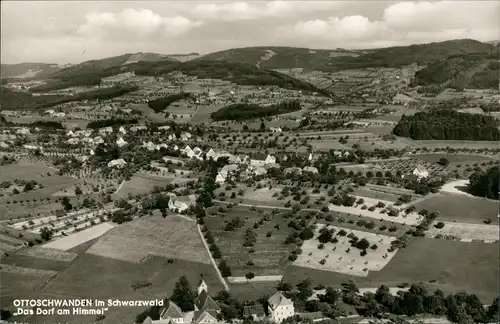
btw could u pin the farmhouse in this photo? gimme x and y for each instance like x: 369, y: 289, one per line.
x: 181, y: 204
x: 119, y: 163
x: 280, y: 308
x: 137, y: 128
x: 276, y: 129
x: 121, y: 142
x: 310, y: 169
x: 420, y: 172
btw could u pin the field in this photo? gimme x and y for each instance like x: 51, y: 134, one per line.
x: 171, y: 237
x: 140, y: 184
x: 271, y: 253
x: 204, y: 112
x: 463, y: 209
x: 452, y: 158
x: 465, y: 232
x: 341, y: 257
x: 451, y: 266
x: 403, y: 218
x: 149, y: 113
x: 91, y: 276
x: 68, y: 242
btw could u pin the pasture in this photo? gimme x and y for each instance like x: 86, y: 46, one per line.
x: 140, y: 184
x: 342, y: 257
x: 462, y: 209
x: 465, y: 232
x: 270, y: 254
x: 363, y: 209
x: 452, y: 266
x: 172, y: 237
x: 75, y: 239
x: 91, y: 276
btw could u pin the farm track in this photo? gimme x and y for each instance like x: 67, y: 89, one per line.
x: 212, y: 260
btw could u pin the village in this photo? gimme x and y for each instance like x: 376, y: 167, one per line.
x: 327, y: 197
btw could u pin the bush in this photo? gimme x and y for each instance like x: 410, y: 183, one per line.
x: 439, y: 225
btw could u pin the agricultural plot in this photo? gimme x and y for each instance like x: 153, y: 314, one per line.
x: 342, y: 257
x: 68, y: 242
x: 378, y: 212
x: 141, y: 184
x: 452, y: 158
x: 463, y: 209
x: 270, y: 254
x: 7, y: 268
x: 465, y: 232
x: 172, y: 237
x: 452, y: 266
x: 91, y: 276
x: 48, y: 253
x: 25, y: 171
x: 203, y: 113
x: 149, y: 113
x: 406, y: 166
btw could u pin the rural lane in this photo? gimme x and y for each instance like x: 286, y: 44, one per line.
x: 226, y: 287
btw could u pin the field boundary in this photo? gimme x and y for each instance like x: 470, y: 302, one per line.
x: 212, y: 260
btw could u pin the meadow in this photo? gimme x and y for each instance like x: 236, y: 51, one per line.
x: 448, y: 265
x: 172, y: 237
x: 271, y: 253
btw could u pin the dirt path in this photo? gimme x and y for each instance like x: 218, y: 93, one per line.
x: 212, y: 260
x: 119, y: 187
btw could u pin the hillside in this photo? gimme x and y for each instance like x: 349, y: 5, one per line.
x: 334, y: 60
x: 477, y: 71
x: 90, y: 72
x: 239, y: 73
x: 28, y: 70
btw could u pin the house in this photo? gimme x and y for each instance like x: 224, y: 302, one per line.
x: 186, y: 150
x: 59, y: 114
x: 121, y: 142
x: 270, y: 159
x: 164, y: 128
x: 91, y: 152
x: 160, y: 146
x: 23, y: 131
x: 310, y: 169
x: 171, y: 137
x: 310, y: 158
x: 172, y: 313
x: 186, y: 136
x: 106, y: 130
x: 70, y: 133
x: 242, y: 159
x: 220, y: 178
x: 293, y: 170
x: 119, y: 163
x: 150, y: 146
x: 122, y: 130
x: 276, y: 129
x: 137, y: 128
x: 73, y: 140
x: 212, y: 155
x: 98, y: 140
x: 279, y: 308
x: 181, y: 204
x: 420, y: 172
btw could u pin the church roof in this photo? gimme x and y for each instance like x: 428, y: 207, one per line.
x: 205, y: 302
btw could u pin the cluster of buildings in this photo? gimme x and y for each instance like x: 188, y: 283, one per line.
x: 207, y: 311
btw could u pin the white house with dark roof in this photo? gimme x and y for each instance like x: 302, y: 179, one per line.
x: 420, y: 172
x: 119, y: 163
x: 121, y: 142
x: 270, y: 159
x: 279, y: 308
x: 310, y: 169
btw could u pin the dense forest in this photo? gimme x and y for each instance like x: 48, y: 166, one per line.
x: 448, y: 125
x: 95, y: 124
x: 243, y: 111
x: 16, y: 100
x: 485, y: 184
x: 478, y: 71
x: 160, y: 104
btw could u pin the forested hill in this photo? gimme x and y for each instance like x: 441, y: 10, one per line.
x: 340, y: 59
x: 448, y: 125
x: 475, y: 71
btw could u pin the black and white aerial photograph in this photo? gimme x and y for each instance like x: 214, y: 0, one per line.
x: 250, y: 162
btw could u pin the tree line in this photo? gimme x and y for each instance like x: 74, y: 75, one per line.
x: 96, y: 124
x: 242, y: 111
x: 160, y: 104
x: 448, y: 125
x: 485, y: 184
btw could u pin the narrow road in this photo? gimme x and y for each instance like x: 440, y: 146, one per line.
x: 119, y: 187
x: 226, y: 287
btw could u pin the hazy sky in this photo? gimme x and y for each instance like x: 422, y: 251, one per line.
x: 75, y: 31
